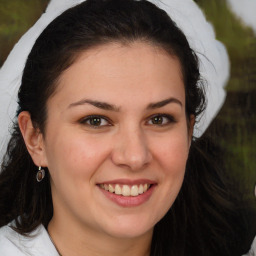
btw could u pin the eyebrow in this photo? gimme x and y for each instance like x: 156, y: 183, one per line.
x: 163, y: 103
x: 111, y: 107
x: 97, y: 104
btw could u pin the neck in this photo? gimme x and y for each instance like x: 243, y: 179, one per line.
x: 75, y: 240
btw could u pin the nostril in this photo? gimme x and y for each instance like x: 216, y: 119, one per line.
x: 131, y: 150
x: 133, y: 160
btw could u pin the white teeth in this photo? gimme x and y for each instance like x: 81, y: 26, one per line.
x: 111, y: 188
x: 141, y: 189
x: 118, y: 190
x: 126, y: 190
x: 134, y: 190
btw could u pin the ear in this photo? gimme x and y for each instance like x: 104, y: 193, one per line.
x: 33, y: 139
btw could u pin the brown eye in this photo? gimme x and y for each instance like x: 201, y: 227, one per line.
x: 95, y: 121
x: 161, y: 119
x: 157, y: 120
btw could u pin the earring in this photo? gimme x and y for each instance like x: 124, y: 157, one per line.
x: 40, y: 174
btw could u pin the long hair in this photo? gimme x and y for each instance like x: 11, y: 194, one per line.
x: 201, y: 220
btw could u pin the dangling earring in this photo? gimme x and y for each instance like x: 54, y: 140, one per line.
x: 40, y: 174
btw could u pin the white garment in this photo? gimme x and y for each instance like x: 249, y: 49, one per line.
x: 40, y: 244
x: 37, y: 244
x: 252, y: 252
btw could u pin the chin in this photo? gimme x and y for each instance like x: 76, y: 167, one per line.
x: 130, y: 228
x: 129, y: 233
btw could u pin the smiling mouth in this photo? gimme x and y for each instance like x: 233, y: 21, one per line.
x: 126, y: 190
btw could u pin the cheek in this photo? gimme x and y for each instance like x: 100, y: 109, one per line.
x: 172, y: 153
x: 77, y: 155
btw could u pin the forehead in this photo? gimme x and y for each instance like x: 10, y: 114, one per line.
x: 122, y: 69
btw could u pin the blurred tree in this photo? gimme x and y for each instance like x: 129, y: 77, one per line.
x: 234, y: 128
x: 16, y: 17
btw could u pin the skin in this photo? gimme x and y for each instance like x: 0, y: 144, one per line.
x: 126, y: 145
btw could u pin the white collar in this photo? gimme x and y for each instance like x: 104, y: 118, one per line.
x: 37, y: 243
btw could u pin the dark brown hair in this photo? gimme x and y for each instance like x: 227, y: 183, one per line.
x: 201, y: 220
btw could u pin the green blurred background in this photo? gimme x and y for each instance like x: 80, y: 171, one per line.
x: 234, y: 127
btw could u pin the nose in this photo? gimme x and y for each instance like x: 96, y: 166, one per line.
x: 131, y: 150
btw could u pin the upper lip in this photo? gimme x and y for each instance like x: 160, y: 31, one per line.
x: 128, y: 182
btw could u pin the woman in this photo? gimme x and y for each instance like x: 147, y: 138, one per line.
x: 101, y: 160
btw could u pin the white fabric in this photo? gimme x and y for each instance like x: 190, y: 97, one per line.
x: 252, y: 251
x: 14, y: 244
x: 214, y: 63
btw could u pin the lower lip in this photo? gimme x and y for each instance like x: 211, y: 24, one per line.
x: 129, y: 201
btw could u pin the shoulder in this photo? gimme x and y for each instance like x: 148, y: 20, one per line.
x: 37, y: 243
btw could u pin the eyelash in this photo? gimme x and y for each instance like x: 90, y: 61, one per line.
x: 89, y: 119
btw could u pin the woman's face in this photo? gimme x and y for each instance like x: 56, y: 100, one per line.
x: 117, y: 139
